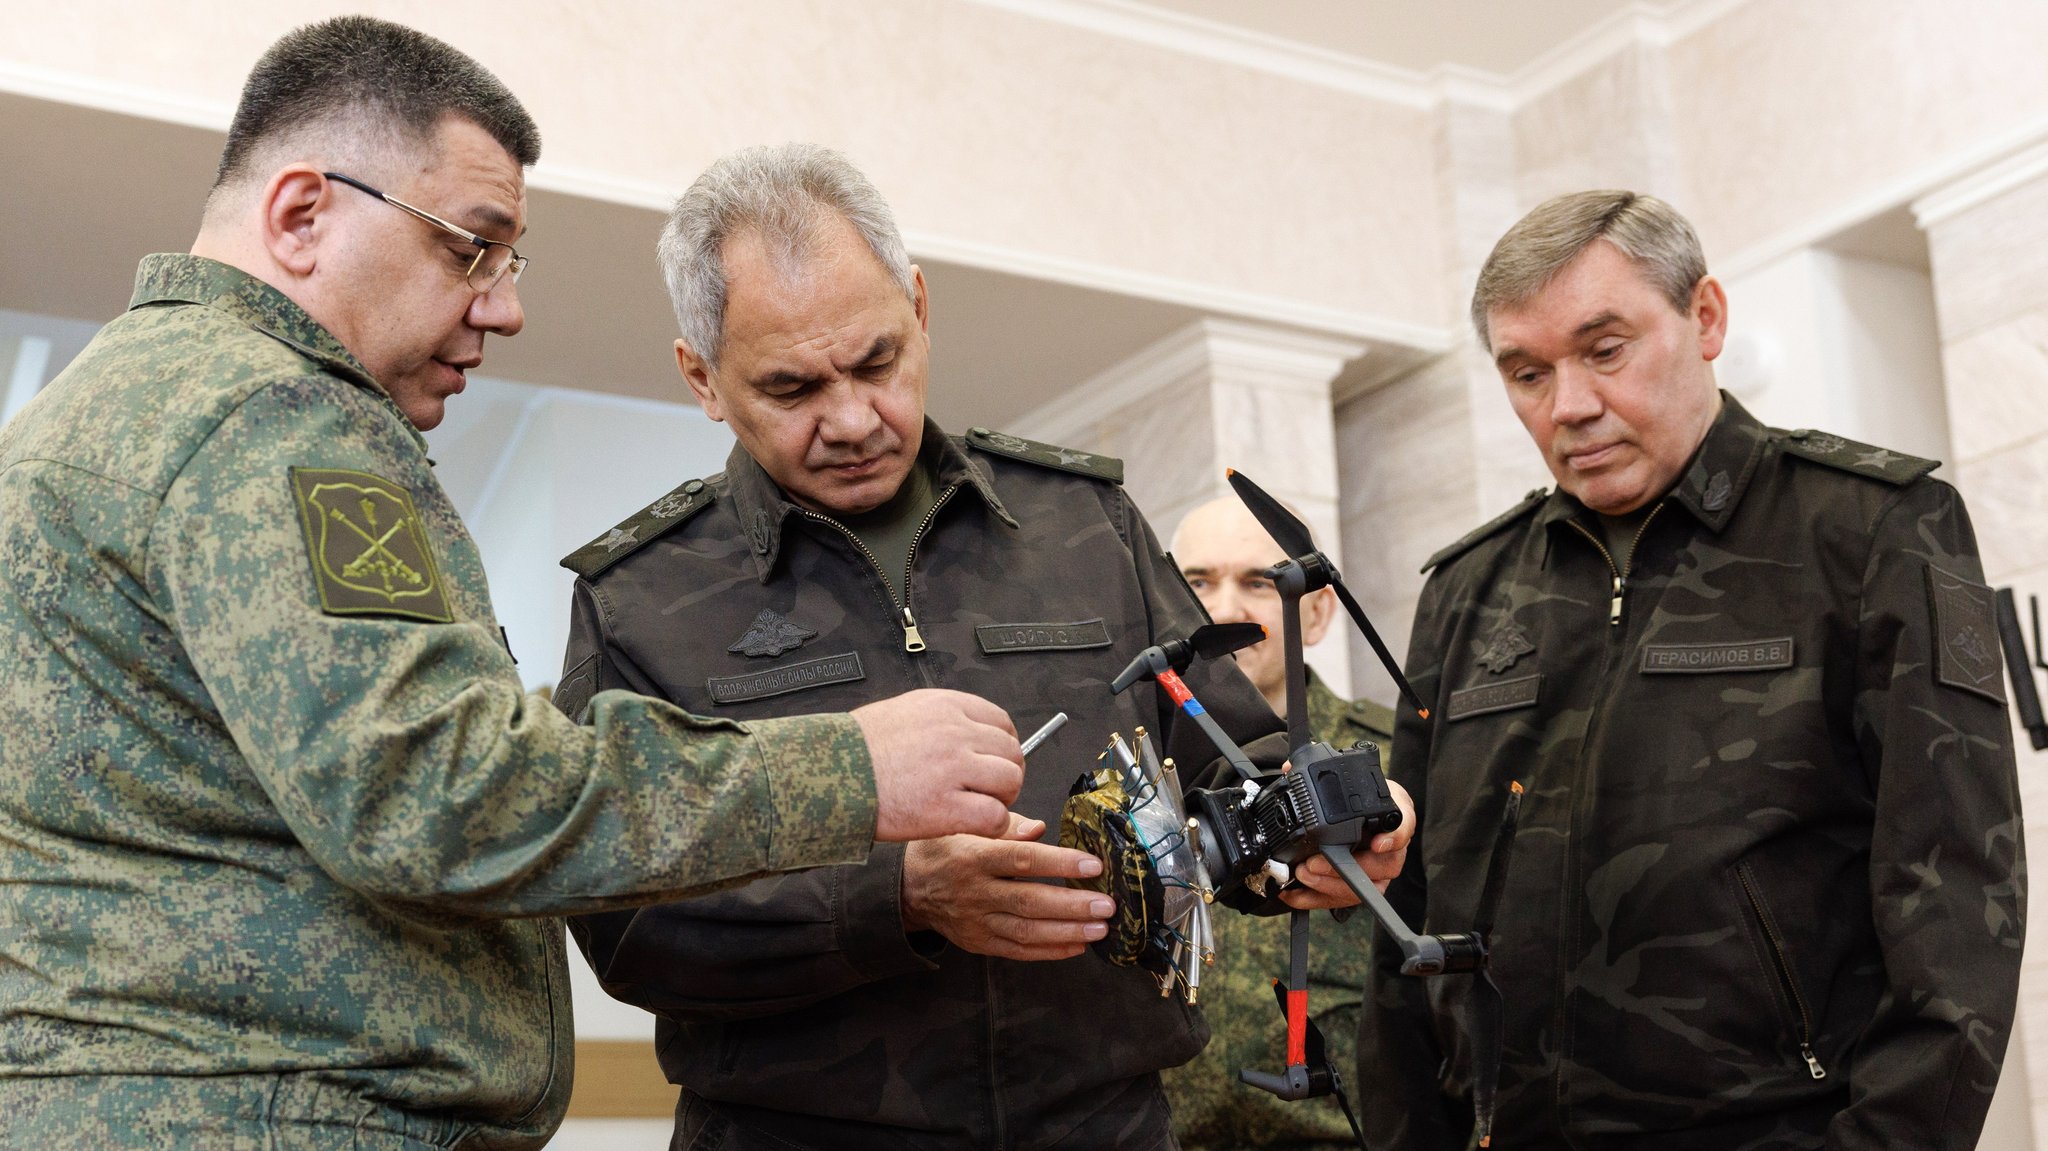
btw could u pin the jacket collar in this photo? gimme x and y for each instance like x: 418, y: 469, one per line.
x: 763, y: 508
x: 178, y: 278
x: 1714, y: 480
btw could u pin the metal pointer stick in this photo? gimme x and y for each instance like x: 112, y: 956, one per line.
x: 1044, y: 733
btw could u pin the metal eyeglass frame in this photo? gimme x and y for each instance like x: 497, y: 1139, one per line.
x: 490, y: 275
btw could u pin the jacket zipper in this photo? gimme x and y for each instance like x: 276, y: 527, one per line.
x: 1000, y: 1135
x: 1579, y: 790
x: 1784, y: 966
x: 1620, y: 575
x: 913, y: 639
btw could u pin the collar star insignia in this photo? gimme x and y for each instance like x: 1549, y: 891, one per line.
x: 1880, y: 458
x: 1509, y: 643
x: 619, y: 538
x: 771, y: 634
x: 1073, y: 458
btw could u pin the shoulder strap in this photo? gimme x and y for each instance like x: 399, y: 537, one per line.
x: 1864, y: 460
x: 1096, y: 467
x: 644, y: 526
x: 1472, y: 538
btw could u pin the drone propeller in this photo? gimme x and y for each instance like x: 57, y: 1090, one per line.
x: 1284, y: 526
x: 1215, y: 640
x: 1482, y: 1023
x: 1293, y: 537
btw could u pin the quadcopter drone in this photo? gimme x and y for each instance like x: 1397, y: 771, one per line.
x: 1168, y: 854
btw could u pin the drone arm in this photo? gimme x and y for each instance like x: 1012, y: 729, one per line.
x: 1291, y: 582
x: 1178, y: 692
x: 1420, y: 954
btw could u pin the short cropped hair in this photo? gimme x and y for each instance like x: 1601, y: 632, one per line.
x: 1647, y: 230
x: 781, y: 194
x: 372, y: 80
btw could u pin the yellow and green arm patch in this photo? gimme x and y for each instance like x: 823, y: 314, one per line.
x: 370, y: 553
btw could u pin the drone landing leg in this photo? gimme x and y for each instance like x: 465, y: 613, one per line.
x: 1295, y: 1082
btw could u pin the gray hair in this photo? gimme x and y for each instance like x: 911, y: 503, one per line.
x: 780, y: 193
x: 1647, y: 230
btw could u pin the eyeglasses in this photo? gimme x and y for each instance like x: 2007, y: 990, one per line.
x: 493, y: 257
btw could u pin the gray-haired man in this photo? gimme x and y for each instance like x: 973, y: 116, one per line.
x: 851, y: 549
x: 1768, y: 886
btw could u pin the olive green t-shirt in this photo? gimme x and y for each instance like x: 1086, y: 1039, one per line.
x: 890, y: 529
x: 1619, y: 533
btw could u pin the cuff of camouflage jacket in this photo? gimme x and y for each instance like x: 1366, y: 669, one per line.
x: 821, y: 790
x: 871, y: 919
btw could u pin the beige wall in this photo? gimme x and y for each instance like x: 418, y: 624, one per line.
x: 1791, y: 111
x: 985, y: 129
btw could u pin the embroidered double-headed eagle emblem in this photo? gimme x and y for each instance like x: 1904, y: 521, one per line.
x: 771, y: 634
x: 1509, y: 643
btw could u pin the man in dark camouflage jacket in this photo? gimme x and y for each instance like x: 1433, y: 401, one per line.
x: 850, y: 550
x: 1768, y: 886
x: 1224, y: 553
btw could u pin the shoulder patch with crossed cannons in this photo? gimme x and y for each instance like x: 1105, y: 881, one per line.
x: 370, y: 555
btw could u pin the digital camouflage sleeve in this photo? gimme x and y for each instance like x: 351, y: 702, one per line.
x: 274, y: 810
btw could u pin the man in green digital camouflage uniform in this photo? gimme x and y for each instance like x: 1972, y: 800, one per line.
x: 1768, y: 886
x: 275, y: 817
x: 851, y: 549
x: 1224, y: 553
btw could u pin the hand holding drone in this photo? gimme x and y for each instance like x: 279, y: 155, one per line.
x: 1168, y: 855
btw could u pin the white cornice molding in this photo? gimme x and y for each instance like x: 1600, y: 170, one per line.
x: 1657, y: 23
x: 1204, y: 349
x: 602, y: 186
x: 1457, y: 84
x: 1937, y: 189
x: 924, y: 245
x: 1338, y: 322
x: 2022, y: 166
x: 1282, y: 360
x: 114, y: 96
x: 1230, y: 44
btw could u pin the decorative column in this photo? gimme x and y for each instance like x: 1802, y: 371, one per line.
x: 1219, y: 394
